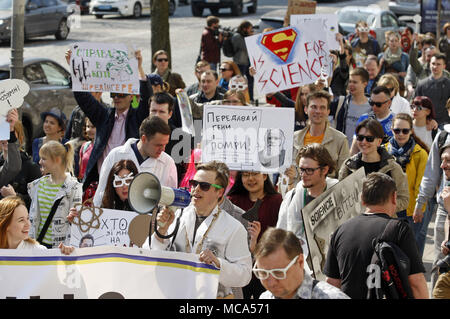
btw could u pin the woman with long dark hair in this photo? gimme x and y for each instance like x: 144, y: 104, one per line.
x: 116, y: 191
x: 248, y: 188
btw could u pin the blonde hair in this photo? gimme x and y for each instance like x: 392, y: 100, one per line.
x: 390, y: 80
x: 55, y: 149
x: 8, y: 206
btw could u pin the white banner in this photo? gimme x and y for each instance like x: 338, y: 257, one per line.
x: 105, y: 272
x: 248, y: 138
x: 104, y: 67
x: 288, y: 57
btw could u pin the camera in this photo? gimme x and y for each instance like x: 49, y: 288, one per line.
x: 444, y: 264
x: 227, y: 32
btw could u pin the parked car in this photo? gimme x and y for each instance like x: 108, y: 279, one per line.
x: 134, y: 8
x: 50, y: 86
x: 379, y: 21
x: 405, y: 7
x: 42, y: 17
x: 237, y: 6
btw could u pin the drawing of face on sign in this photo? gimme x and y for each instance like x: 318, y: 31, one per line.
x: 119, y: 67
x: 272, y: 151
x: 280, y: 44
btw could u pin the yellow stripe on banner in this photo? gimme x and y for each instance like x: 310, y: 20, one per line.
x: 103, y: 260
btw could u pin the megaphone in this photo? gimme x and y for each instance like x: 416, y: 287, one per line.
x: 145, y: 193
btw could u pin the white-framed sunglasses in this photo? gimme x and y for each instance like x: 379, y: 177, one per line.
x: 120, y: 181
x: 239, y: 87
x: 279, y: 274
x: 363, y: 29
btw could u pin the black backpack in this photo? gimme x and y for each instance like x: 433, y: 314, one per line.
x: 394, y: 266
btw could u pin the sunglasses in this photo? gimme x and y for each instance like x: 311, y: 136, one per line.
x: 279, y: 274
x: 404, y: 131
x: 361, y: 138
x: 118, y: 95
x: 416, y: 107
x: 162, y: 60
x: 223, y: 69
x: 309, y: 170
x: 121, y: 181
x: 204, y: 186
x: 363, y: 29
x: 377, y: 104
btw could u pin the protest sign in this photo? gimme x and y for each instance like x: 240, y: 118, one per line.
x: 187, y: 121
x: 12, y: 94
x: 288, y: 57
x: 324, y: 214
x: 105, y: 273
x: 299, y: 7
x: 329, y: 24
x: 101, y: 226
x: 248, y: 138
x: 103, y: 67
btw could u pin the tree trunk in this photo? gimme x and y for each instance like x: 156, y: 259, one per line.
x: 160, y: 35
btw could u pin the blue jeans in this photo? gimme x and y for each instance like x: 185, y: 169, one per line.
x: 421, y: 235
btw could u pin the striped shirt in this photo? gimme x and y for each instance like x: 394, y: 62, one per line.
x: 46, y: 198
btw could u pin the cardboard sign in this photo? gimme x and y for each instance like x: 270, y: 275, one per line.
x: 288, y: 57
x: 322, y: 216
x: 299, y: 7
x: 248, y: 138
x: 101, y: 227
x: 187, y: 120
x: 329, y: 24
x: 105, y: 273
x: 103, y: 67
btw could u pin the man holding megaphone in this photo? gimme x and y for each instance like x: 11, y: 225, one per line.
x: 206, y: 230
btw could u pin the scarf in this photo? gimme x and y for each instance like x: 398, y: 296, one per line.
x: 392, y: 57
x: 402, y: 154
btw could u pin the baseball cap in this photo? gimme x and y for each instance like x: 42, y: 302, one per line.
x: 155, y: 79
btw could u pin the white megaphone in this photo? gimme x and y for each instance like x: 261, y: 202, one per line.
x: 145, y: 193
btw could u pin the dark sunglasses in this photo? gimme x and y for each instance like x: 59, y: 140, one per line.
x: 204, y: 186
x: 223, y: 69
x: 119, y: 95
x: 162, y: 60
x: 403, y: 130
x: 361, y: 138
x: 416, y: 107
x: 377, y: 104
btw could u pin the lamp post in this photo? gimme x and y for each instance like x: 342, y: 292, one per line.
x: 17, y: 39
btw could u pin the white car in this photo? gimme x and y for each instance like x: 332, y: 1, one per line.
x: 134, y: 8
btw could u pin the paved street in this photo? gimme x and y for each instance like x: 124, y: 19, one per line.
x: 185, y: 32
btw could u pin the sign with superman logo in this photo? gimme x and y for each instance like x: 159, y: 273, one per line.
x: 280, y: 43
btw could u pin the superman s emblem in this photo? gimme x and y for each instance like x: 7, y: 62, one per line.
x: 280, y: 43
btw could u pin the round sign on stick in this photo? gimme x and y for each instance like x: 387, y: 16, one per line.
x: 12, y: 94
x: 139, y: 229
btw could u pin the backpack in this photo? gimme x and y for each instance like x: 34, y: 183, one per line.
x: 227, y: 47
x: 394, y: 267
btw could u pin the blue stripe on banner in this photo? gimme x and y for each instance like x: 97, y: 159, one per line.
x: 111, y: 255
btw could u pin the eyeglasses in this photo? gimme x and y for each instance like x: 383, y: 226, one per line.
x: 308, y: 170
x: 118, y: 95
x: 377, y: 104
x: 162, y: 60
x: 362, y: 29
x: 361, y: 138
x: 416, y: 107
x: 223, y: 69
x: 404, y: 131
x: 121, y: 181
x: 204, y: 186
x: 279, y: 274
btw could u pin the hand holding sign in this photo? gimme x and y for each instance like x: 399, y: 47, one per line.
x: 12, y: 93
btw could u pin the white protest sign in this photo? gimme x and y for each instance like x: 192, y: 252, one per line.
x: 288, y: 57
x: 248, y: 138
x: 103, y: 67
x: 329, y: 23
x: 323, y: 215
x: 187, y: 121
x: 101, y: 226
x: 105, y: 273
x: 12, y: 94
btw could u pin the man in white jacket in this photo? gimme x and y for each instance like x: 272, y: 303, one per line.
x: 147, y: 153
x: 315, y: 163
x: 207, y: 230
